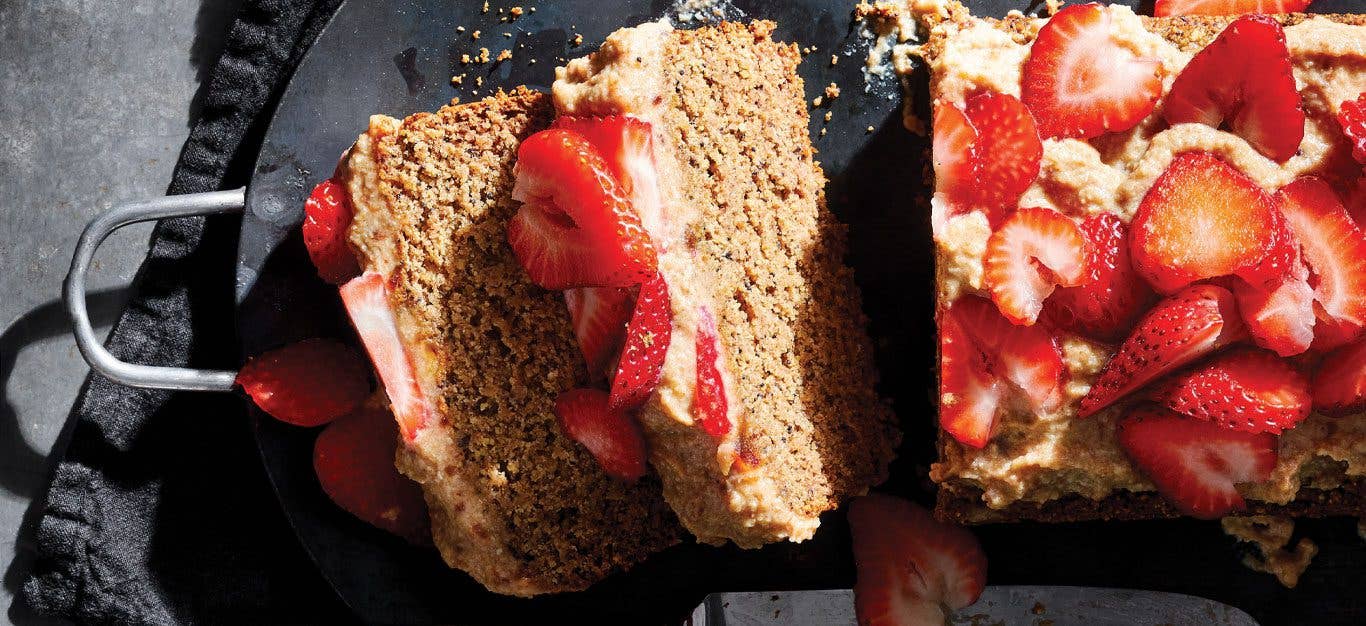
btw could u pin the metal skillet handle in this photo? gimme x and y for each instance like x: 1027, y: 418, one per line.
x: 73, y: 289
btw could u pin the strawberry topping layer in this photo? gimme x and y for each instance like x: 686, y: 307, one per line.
x: 1111, y: 295
x: 600, y: 315
x: 1340, y: 384
x: 710, y: 405
x: 367, y: 303
x: 647, y: 342
x: 327, y: 215
x: 1080, y: 81
x: 309, y: 383
x: 988, y: 154
x: 1334, y: 248
x: 1243, y: 79
x: 613, y: 437
x: 354, y: 460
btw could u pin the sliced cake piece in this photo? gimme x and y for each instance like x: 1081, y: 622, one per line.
x: 473, y: 356
x: 765, y: 415
x: 1198, y: 158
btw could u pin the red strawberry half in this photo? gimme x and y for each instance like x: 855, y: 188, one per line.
x: 354, y: 460
x: 1195, y: 463
x: 1080, y: 82
x: 1251, y: 390
x: 968, y: 392
x: 613, y: 437
x: 1243, y: 79
x: 1164, y: 8
x: 627, y: 145
x: 912, y: 568
x: 710, y: 404
x: 600, y: 315
x: 1178, y: 330
x: 1027, y: 357
x: 1334, y: 248
x: 367, y: 303
x: 1352, y: 116
x: 1280, y: 319
x: 575, y: 228
x: 647, y: 342
x: 1033, y: 252
x: 1203, y: 218
x: 1340, y: 383
x: 987, y: 154
x: 309, y: 383
x: 327, y: 215
x: 1112, y: 295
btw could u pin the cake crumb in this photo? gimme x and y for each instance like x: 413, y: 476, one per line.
x: 832, y: 91
x: 870, y: 130
x: 465, y: 58
x: 507, y: 35
x: 458, y: 79
x: 486, y: 7
x: 828, y: 115
x: 1053, y: 6
x: 459, y: 29
x: 479, y: 81
x: 515, y: 12
x: 834, y: 60
x: 816, y: 101
x: 475, y: 35
x: 577, y: 40
x: 1270, y: 536
x: 531, y: 62
x: 822, y: 132
x: 483, y: 55
x: 503, y: 56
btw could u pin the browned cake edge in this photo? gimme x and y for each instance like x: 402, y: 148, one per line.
x: 964, y: 504
x: 503, y: 544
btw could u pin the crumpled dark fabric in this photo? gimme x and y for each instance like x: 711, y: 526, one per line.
x: 161, y: 512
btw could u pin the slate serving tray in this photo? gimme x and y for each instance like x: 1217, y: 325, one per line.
x: 397, y: 58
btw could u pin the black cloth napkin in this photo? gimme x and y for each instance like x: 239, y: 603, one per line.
x: 160, y: 511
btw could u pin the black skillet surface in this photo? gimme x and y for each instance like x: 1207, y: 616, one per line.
x: 397, y: 58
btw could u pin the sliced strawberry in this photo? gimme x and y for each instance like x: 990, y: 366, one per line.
x: 1249, y: 389
x: 647, y: 342
x: 1112, y: 295
x: 954, y: 155
x: 1340, y: 383
x: 600, y: 315
x: 1165, y: 8
x: 1202, y: 218
x: 327, y: 215
x: 613, y: 437
x: 1007, y: 152
x: 1334, y: 248
x: 1280, y: 319
x: 912, y: 568
x: 627, y: 145
x: 367, y: 303
x: 354, y: 460
x: 1243, y: 79
x: 575, y: 228
x: 710, y: 404
x: 1178, y: 330
x: 1355, y: 199
x: 309, y: 383
x: 1352, y: 116
x: 1079, y: 81
x: 1330, y: 334
x: 1195, y: 463
x: 1027, y: 357
x: 1033, y: 252
x: 986, y: 155
x: 968, y: 392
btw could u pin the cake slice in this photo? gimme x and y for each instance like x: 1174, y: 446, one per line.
x: 1143, y: 269
x: 762, y: 412
x: 473, y: 356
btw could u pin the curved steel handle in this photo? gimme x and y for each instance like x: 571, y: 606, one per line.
x: 74, y: 290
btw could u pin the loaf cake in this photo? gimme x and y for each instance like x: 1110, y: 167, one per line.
x: 1077, y: 436
x: 475, y: 356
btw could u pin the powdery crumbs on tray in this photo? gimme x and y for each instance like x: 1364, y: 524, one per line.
x: 685, y: 12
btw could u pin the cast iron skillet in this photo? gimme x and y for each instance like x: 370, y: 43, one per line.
x: 397, y: 58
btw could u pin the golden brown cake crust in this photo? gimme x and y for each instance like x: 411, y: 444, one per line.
x: 788, y: 311
x: 964, y: 503
x: 514, y: 502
